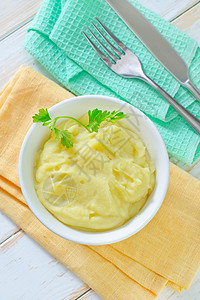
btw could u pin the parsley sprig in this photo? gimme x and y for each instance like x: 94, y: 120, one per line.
x: 96, y: 117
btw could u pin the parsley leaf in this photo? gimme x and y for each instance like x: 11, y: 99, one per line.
x: 96, y: 117
x: 65, y: 137
x: 43, y: 116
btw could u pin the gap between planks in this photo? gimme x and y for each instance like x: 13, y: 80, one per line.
x: 183, y: 12
x: 27, y: 19
x: 175, y: 20
x: 12, y: 238
x: 84, y: 294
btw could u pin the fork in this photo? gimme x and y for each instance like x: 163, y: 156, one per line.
x: 126, y: 64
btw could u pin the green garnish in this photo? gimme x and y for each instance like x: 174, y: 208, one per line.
x: 43, y: 116
x: 96, y: 117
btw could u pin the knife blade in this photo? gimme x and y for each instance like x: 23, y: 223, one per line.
x: 155, y: 43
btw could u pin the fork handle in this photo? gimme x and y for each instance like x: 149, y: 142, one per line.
x: 190, y: 118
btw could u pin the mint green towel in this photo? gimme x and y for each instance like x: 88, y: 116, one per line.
x: 55, y: 38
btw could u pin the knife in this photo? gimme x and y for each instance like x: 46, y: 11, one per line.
x: 155, y: 42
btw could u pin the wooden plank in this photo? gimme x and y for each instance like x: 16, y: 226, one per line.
x: 28, y: 270
x: 195, y: 171
x: 51, y: 279
x: 90, y: 295
x: 15, y: 13
x: 15, y: 57
x: 7, y: 227
x: 190, y: 22
x: 169, y: 9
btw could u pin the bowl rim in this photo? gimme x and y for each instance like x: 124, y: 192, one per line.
x: 89, y: 237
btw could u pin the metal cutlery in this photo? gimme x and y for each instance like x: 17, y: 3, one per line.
x: 126, y: 64
x: 155, y: 42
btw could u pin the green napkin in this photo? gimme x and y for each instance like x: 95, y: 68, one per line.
x: 55, y: 38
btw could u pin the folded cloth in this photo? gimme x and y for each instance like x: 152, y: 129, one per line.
x: 55, y: 38
x: 165, y: 252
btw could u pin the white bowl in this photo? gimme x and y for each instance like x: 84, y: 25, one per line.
x: 139, y: 123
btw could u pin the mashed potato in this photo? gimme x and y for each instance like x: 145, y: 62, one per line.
x: 100, y: 183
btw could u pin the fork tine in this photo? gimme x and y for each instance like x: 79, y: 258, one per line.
x: 107, y: 41
x: 102, y: 45
x: 99, y: 52
x: 113, y: 37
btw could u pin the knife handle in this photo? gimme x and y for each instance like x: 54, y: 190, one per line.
x: 192, y: 88
x: 190, y: 118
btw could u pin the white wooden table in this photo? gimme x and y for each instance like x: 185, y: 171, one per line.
x: 26, y: 270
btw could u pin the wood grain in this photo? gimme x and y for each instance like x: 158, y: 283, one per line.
x: 14, y: 14
x: 169, y: 9
x: 190, y: 22
x: 28, y: 267
x: 7, y: 227
x: 195, y: 170
x: 90, y: 295
x: 13, y: 57
x: 29, y: 272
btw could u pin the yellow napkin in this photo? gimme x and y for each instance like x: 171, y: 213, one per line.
x: 165, y: 252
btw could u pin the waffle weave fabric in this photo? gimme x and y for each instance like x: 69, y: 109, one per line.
x: 55, y: 38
